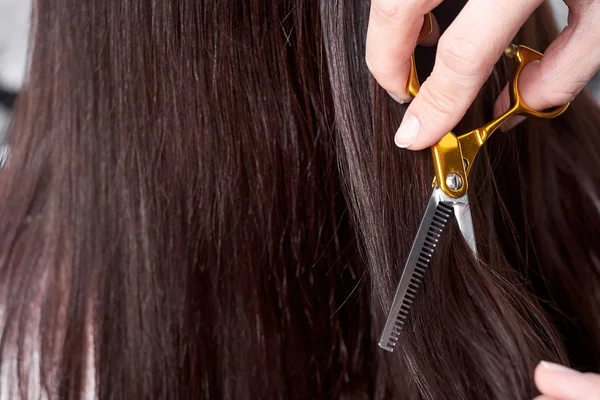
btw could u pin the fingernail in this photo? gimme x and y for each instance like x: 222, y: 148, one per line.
x: 557, y: 367
x: 512, y: 122
x: 408, y: 131
x: 396, y: 98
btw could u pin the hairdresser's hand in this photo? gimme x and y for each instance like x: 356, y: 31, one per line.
x: 556, y: 382
x: 466, y: 54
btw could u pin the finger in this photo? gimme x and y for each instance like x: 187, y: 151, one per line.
x: 466, y: 54
x: 394, y: 26
x: 568, y: 64
x: 557, y: 381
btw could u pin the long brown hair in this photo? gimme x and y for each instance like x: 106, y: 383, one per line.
x: 204, y: 201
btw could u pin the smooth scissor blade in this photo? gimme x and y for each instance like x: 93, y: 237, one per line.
x: 439, y: 210
x: 462, y: 212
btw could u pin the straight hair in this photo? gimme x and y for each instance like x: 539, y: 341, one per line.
x: 204, y: 201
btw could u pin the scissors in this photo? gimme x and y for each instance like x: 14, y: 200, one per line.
x: 452, y: 159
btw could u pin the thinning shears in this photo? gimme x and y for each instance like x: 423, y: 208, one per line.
x: 452, y: 159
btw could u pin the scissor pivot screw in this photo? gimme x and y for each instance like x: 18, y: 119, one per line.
x: 454, y: 181
x: 511, y: 51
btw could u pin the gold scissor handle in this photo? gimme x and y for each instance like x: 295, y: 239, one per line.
x: 453, y: 156
x: 413, y: 85
x: 523, y: 55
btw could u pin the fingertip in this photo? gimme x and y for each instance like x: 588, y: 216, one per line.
x: 421, y: 144
x: 557, y: 380
x: 539, y: 374
x: 391, y: 38
x: 423, y: 138
x: 397, y: 99
x: 391, y: 77
x: 412, y: 133
x: 433, y: 124
x: 407, y: 133
x: 543, y: 378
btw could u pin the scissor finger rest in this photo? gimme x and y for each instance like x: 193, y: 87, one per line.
x: 413, y: 85
x: 453, y: 156
x: 525, y: 55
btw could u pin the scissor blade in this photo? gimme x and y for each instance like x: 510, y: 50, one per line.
x: 462, y: 212
x: 435, y: 218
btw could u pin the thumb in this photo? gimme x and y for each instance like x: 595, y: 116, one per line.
x: 557, y: 381
x: 441, y: 102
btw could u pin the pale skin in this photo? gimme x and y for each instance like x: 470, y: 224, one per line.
x: 466, y: 54
x: 556, y: 382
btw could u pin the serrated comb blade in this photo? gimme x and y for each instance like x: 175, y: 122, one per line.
x: 434, y: 221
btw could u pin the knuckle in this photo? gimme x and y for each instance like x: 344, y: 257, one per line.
x: 461, y: 56
x: 390, y: 10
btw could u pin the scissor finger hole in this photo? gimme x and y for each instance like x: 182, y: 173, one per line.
x: 550, y: 112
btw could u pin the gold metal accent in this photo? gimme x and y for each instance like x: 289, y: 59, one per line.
x: 455, y: 155
x: 413, y: 85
